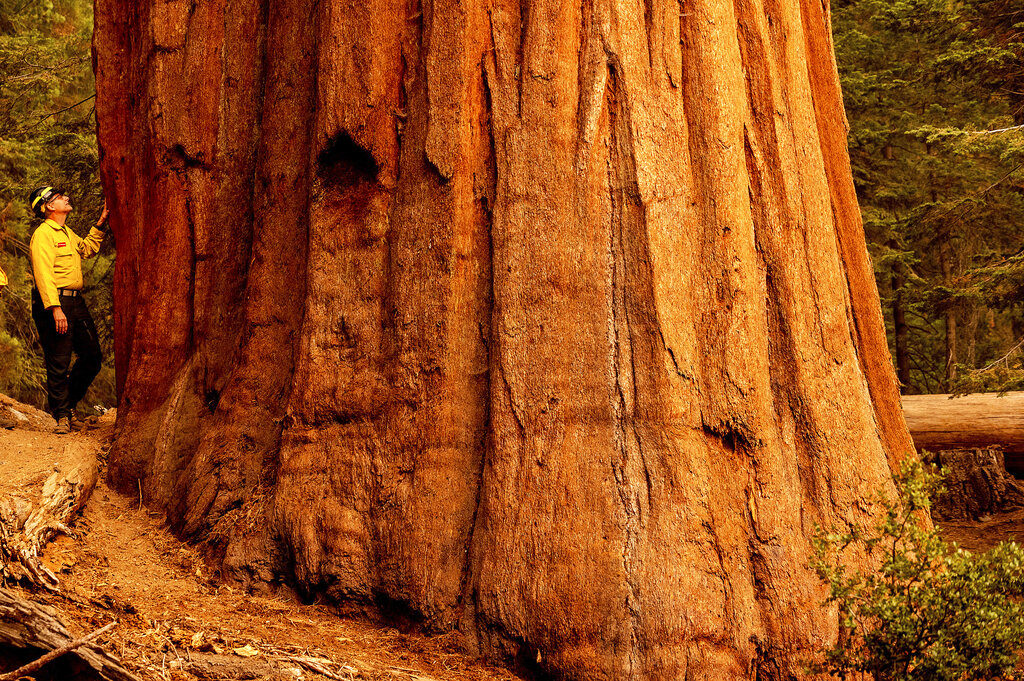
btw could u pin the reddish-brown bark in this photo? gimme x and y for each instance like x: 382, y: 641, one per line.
x: 549, y: 323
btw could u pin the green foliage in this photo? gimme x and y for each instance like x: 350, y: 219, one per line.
x: 934, y: 107
x: 47, y: 136
x: 931, y: 611
x: 18, y: 373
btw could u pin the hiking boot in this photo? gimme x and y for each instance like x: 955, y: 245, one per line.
x: 81, y: 421
x: 63, y: 426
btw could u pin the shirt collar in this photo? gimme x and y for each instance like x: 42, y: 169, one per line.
x: 53, y: 224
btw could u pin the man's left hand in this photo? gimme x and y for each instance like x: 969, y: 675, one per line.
x: 103, y: 216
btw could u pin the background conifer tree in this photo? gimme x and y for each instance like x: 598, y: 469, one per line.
x: 926, y: 85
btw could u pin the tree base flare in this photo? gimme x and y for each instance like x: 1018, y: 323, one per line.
x: 551, y: 324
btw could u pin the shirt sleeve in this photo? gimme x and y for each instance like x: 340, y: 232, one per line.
x: 90, y: 245
x: 44, y: 254
x: 3, y: 279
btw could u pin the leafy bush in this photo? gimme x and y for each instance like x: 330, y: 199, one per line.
x: 18, y: 374
x: 10, y: 360
x: 932, y: 611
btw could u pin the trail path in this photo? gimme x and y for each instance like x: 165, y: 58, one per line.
x: 174, y: 622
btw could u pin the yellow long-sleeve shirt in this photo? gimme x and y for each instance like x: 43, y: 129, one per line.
x: 3, y: 279
x: 57, y: 254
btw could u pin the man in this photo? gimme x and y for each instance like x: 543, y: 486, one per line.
x: 60, y: 312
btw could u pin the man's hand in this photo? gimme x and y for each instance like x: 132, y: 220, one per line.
x: 103, y: 216
x: 59, y: 320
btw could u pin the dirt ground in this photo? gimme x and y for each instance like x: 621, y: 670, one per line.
x: 982, y: 535
x: 174, y: 623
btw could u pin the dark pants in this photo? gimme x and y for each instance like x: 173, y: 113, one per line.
x: 66, y: 384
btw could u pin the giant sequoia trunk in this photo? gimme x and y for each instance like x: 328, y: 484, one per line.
x: 550, y: 323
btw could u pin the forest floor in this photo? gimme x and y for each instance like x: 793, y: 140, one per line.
x: 174, y: 622
x: 981, y: 535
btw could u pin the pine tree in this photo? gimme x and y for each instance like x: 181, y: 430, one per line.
x: 926, y: 89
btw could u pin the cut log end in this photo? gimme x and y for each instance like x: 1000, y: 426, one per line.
x: 977, y: 485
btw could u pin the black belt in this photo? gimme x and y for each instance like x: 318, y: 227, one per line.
x: 68, y: 292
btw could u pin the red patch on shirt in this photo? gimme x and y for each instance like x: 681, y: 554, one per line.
x: 62, y: 244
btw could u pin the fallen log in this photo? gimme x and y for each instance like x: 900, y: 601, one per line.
x: 34, y: 628
x: 977, y: 421
x: 26, y: 528
x: 14, y: 414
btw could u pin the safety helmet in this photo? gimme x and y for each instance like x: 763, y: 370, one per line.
x: 40, y: 197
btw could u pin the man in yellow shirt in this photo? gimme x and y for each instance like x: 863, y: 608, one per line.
x: 60, y: 312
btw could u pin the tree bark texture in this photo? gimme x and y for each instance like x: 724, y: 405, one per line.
x: 549, y: 323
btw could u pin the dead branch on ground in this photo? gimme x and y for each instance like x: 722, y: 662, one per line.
x: 54, y: 654
x: 24, y: 624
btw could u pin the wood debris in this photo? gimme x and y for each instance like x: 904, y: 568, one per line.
x: 24, y: 625
x: 25, y: 531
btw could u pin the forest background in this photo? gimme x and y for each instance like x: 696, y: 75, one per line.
x: 47, y: 137
x: 934, y: 92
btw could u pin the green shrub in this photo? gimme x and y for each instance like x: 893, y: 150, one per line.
x: 19, y: 373
x: 10, y: 360
x: 931, y: 611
